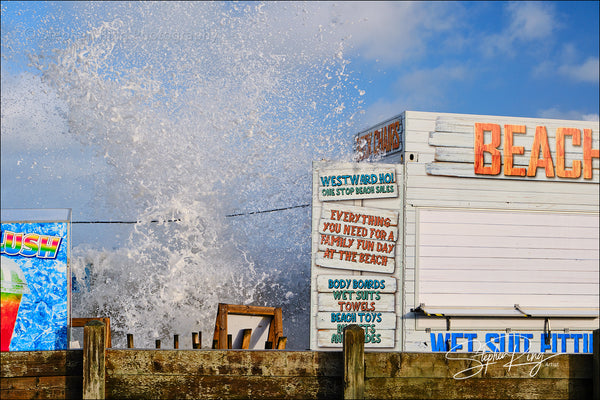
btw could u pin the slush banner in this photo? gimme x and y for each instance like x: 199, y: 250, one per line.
x: 35, y: 290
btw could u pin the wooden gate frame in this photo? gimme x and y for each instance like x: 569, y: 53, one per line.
x: 80, y: 323
x: 275, y: 326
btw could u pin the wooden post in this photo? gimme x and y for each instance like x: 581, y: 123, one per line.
x: 229, y: 341
x: 194, y: 340
x: 596, y: 369
x: 281, y: 343
x: 199, y: 339
x: 94, y: 346
x: 247, y: 334
x: 176, y: 342
x: 222, y: 326
x: 130, y: 341
x: 354, y: 362
x: 157, y: 342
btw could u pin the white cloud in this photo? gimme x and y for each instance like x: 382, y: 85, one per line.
x: 574, y: 115
x: 527, y: 22
x: 419, y: 90
x: 530, y: 20
x: 389, y: 32
x: 589, y: 71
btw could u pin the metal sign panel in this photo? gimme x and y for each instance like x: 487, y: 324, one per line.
x: 381, y: 140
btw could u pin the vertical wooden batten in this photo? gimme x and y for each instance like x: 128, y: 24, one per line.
x: 354, y: 362
x: 94, y: 354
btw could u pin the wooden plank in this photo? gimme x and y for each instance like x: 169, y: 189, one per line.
x: 281, y: 343
x: 354, y: 362
x: 496, y: 229
x: 41, y: 363
x: 94, y: 366
x: 507, y: 196
x: 381, y: 338
x: 466, y: 155
x: 387, y: 320
x: 41, y: 387
x: 352, y: 261
x: 417, y: 178
x: 513, y: 287
x: 219, y: 387
x: 355, y: 244
x: 247, y: 333
x: 385, y: 303
x: 509, y: 253
x: 504, y: 300
x: 250, y: 310
x: 364, y: 216
x: 465, y: 138
x: 80, y: 322
x: 221, y: 326
x: 223, y: 362
x: 380, y: 283
x: 496, y: 324
x: 442, y: 366
x: 463, y: 170
x: 357, y: 231
x: 548, y: 264
x: 468, y: 240
x: 447, y: 389
x: 508, y: 275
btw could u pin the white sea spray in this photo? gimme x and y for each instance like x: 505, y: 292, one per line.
x: 199, y: 111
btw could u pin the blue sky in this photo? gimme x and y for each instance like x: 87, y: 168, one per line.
x: 537, y: 59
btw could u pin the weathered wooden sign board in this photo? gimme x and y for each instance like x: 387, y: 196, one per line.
x: 368, y: 301
x: 347, y: 184
x: 355, y: 251
x: 357, y: 238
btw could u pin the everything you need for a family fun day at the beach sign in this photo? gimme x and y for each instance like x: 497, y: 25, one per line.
x: 357, y: 239
x: 35, y: 279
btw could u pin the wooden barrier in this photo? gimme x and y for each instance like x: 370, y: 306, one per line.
x: 211, y: 374
x: 41, y: 374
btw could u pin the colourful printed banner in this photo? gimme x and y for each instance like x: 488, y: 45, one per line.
x: 35, y: 281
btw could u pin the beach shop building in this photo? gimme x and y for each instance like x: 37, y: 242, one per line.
x: 460, y: 233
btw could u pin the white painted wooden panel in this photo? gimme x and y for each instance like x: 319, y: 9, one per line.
x: 497, y: 258
x: 514, y: 324
x: 358, y: 230
x: 388, y: 321
x: 517, y: 275
x: 378, y: 247
x: 385, y: 303
x: 472, y: 264
x: 357, y: 283
x: 386, y: 338
x: 357, y: 215
x: 501, y: 300
x: 463, y: 170
x: 381, y: 264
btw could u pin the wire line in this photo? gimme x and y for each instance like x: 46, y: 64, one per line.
x: 179, y: 219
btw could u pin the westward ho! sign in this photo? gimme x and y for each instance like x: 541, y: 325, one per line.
x: 354, y: 253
